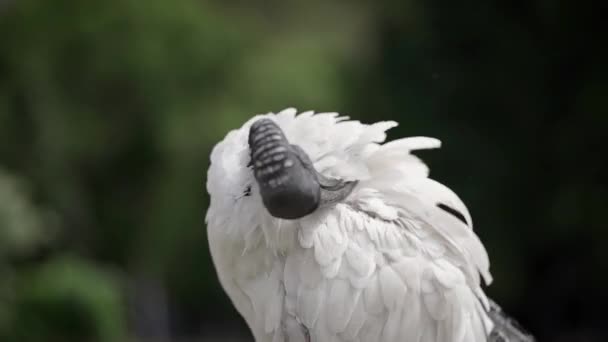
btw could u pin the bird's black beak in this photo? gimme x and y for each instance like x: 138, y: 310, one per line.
x: 289, y: 185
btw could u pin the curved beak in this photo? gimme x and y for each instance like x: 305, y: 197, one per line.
x: 289, y: 185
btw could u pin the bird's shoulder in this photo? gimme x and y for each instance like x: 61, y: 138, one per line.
x: 362, y: 277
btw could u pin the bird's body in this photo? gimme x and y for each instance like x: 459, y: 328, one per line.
x: 396, y: 259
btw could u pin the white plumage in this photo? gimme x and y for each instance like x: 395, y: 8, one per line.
x: 385, y: 264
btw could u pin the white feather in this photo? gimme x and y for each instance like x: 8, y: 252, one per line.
x: 386, y: 265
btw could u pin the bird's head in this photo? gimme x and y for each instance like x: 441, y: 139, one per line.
x: 282, y: 165
x: 285, y: 166
x: 289, y: 184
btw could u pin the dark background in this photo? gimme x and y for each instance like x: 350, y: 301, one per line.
x: 109, y: 110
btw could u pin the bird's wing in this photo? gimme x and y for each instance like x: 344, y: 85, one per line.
x: 403, y: 181
x: 362, y: 278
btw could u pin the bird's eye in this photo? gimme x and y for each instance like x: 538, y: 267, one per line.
x: 247, y: 191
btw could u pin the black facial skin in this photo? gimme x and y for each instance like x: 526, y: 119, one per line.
x: 289, y: 185
x: 289, y: 190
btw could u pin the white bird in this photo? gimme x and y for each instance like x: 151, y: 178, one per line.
x: 319, y: 232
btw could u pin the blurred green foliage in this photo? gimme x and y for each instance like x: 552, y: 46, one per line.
x: 68, y: 299
x: 109, y: 110
x: 23, y: 226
